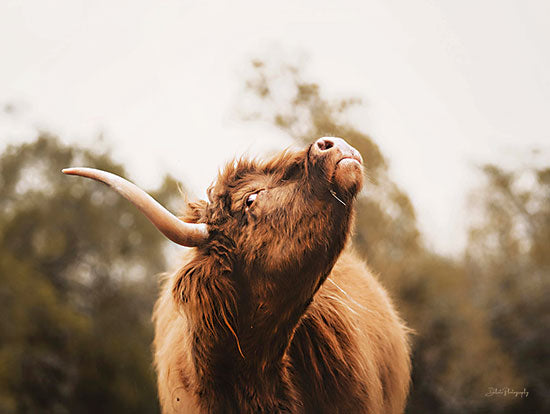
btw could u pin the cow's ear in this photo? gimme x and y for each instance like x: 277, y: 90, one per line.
x: 208, y: 270
x: 204, y: 285
x: 195, y: 212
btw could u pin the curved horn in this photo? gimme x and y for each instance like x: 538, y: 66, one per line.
x: 180, y: 232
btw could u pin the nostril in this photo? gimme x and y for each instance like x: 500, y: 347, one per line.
x: 325, y: 144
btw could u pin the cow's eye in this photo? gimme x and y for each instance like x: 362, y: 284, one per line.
x: 250, y: 199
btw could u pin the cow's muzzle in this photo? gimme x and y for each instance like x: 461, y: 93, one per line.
x: 337, y: 149
x: 340, y: 163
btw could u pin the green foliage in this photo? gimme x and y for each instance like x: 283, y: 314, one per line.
x: 77, y: 267
x: 509, y: 260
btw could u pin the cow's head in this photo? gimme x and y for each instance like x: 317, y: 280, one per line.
x: 269, y: 233
x: 287, y: 212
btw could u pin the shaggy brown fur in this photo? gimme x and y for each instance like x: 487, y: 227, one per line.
x: 274, y: 314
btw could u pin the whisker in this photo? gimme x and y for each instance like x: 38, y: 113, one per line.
x: 336, y: 197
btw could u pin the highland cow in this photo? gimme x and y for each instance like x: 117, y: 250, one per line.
x: 271, y: 311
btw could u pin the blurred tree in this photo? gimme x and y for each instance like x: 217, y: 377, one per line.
x: 77, y: 267
x: 508, y: 256
x: 455, y: 356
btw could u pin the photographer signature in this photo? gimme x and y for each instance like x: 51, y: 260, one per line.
x: 507, y: 392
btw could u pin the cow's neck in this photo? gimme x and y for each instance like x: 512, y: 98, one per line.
x: 267, y: 325
x: 245, y: 364
x: 237, y: 375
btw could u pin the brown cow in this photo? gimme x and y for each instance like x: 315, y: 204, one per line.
x: 271, y: 312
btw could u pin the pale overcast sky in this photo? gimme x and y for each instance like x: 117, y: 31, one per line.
x: 446, y: 84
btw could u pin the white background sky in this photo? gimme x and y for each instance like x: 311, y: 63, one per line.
x: 446, y: 84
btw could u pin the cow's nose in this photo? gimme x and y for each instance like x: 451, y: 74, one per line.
x: 327, y: 145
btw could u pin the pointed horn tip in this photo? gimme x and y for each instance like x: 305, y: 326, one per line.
x: 76, y: 170
x: 69, y: 171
